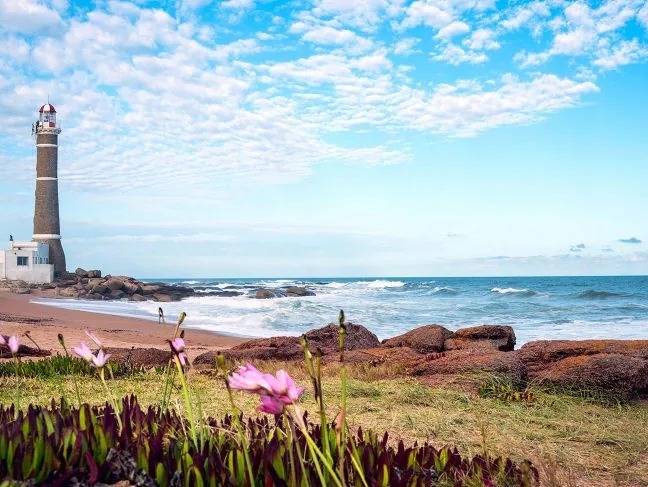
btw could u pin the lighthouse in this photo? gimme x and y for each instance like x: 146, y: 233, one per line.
x: 47, y: 228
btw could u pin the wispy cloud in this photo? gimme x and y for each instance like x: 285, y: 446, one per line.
x: 631, y: 240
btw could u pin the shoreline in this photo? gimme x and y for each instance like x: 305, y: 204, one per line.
x: 18, y: 314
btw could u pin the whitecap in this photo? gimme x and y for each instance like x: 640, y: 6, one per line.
x: 380, y: 284
x: 508, y: 290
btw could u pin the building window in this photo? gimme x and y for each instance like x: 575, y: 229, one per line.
x: 23, y: 261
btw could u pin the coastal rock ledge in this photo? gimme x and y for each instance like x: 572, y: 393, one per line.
x: 82, y: 284
x: 436, y: 354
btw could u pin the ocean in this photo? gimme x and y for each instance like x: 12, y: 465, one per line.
x: 536, y: 307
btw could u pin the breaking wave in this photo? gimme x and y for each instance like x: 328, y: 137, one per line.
x: 511, y: 291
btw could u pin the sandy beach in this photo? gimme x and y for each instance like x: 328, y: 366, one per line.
x: 18, y: 314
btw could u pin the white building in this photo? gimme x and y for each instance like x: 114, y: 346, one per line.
x: 26, y: 261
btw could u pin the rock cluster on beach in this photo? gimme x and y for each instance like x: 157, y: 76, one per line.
x: 82, y: 284
x: 436, y: 354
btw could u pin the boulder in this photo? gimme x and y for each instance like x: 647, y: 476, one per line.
x: 277, y: 348
x: 379, y: 356
x: 100, y: 289
x: 538, y: 354
x: 81, y: 272
x: 296, y: 291
x: 289, y: 348
x: 118, y: 294
x: 162, y: 298
x: 150, y: 289
x: 67, y: 292
x: 94, y: 296
x: 622, y: 375
x: 470, y: 361
x: 424, y: 339
x: 114, y: 283
x: 495, y: 337
x: 226, y: 294
x: 137, y: 297
x: 327, y: 338
x: 267, y: 294
x: 94, y: 273
x: 131, y: 288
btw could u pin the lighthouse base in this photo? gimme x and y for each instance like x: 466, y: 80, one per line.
x: 56, y: 255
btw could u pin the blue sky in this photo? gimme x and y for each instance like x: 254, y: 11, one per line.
x: 334, y: 138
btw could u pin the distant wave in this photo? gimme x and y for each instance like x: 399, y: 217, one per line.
x: 593, y: 294
x: 444, y: 291
x: 336, y: 285
x: 513, y: 291
x: 380, y: 284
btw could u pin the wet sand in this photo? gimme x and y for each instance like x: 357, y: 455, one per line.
x: 19, y: 315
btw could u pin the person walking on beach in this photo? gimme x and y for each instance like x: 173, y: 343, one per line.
x: 161, y: 315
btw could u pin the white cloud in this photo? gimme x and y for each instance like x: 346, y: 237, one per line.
x: 405, y: 46
x: 29, y: 17
x: 625, y: 52
x: 525, y: 14
x: 453, y: 29
x: 455, y: 55
x: 642, y: 16
x: 363, y: 14
x: 326, y: 35
x: 238, y: 4
x: 482, y: 39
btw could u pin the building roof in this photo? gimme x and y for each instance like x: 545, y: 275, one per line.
x: 47, y: 108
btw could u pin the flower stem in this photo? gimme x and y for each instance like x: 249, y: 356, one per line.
x: 112, y: 398
x: 185, y: 393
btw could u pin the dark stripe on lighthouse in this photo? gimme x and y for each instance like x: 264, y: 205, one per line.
x: 46, y: 208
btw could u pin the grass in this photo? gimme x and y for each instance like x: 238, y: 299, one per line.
x: 572, y: 440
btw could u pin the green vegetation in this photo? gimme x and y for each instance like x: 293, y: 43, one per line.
x: 572, y: 440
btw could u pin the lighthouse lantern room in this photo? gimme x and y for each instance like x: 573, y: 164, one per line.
x: 47, y: 116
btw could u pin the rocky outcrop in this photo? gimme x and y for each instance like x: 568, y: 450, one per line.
x: 297, y: 291
x: 90, y: 285
x: 290, y: 291
x: 494, y: 337
x: 424, y: 339
x: 325, y: 339
x: 470, y: 361
x: 619, y: 366
x: 438, y: 355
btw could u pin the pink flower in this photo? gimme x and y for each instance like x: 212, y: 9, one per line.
x: 285, y: 388
x: 100, y: 360
x: 178, y: 348
x: 250, y: 379
x: 271, y: 405
x: 2, y: 340
x: 94, y: 338
x: 275, y: 391
x: 84, y: 352
x: 13, y: 344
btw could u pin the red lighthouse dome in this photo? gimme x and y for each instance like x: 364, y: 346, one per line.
x: 47, y: 116
x: 47, y: 108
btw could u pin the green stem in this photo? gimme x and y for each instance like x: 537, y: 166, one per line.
x: 291, y: 456
x: 316, y: 452
x: 112, y: 398
x: 241, y: 432
x: 185, y: 393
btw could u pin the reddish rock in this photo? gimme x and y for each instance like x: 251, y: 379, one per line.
x: 114, y: 283
x: 140, y: 357
x: 536, y: 355
x: 495, y: 337
x: 379, y: 356
x: 327, y: 338
x: 289, y: 348
x: 624, y: 375
x: 424, y: 339
x: 469, y: 361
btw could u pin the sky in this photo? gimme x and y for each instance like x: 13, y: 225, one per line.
x: 250, y: 138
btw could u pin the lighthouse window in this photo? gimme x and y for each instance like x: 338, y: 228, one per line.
x: 23, y: 261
